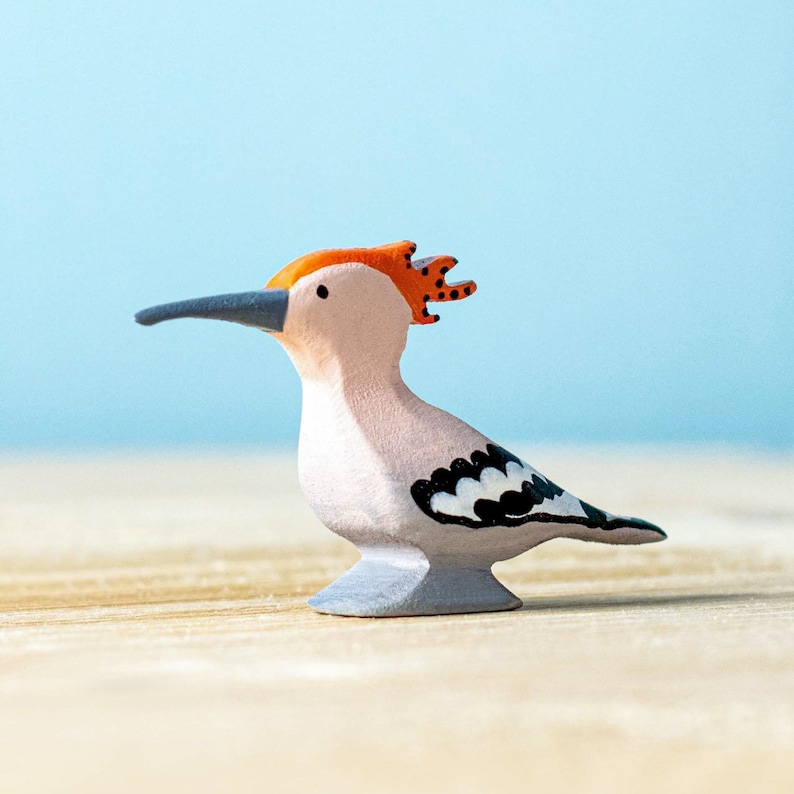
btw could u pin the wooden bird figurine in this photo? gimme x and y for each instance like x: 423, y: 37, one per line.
x: 429, y: 501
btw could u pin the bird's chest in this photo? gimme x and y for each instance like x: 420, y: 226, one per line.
x: 347, y: 481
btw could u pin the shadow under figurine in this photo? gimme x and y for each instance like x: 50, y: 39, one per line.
x: 430, y: 502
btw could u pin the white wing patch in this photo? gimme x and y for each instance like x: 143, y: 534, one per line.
x: 492, y: 485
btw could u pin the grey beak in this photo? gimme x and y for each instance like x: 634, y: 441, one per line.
x: 264, y: 308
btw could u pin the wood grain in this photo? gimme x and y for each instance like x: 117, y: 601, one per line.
x: 155, y: 637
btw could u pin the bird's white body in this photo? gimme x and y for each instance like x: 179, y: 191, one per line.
x: 429, y: 501
x: 366, y: 440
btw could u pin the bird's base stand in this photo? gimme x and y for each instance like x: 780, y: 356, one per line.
x: 403, y: 582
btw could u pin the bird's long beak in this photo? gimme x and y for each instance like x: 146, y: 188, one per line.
x: 264, y: 308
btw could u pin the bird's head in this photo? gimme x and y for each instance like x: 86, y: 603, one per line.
x: 335, y: 303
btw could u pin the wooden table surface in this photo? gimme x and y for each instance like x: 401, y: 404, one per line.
x: 154, y: 637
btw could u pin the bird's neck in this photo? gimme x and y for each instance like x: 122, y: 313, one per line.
x: 351, y: 391
x: 348, y: 366
x: 356, y: 383
x: 366, y: 392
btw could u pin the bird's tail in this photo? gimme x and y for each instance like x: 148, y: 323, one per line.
x: 603, y: 527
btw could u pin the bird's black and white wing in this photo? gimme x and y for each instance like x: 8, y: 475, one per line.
x: 495, y: 488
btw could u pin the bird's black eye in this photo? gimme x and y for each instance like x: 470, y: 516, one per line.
x: 322, y: 291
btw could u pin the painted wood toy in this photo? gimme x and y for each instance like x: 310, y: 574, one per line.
x: 430, y: 502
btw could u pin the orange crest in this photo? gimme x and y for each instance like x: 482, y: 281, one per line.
x: 419, y: 282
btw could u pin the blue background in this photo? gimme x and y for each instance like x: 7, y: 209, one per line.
x: 618, y: 177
